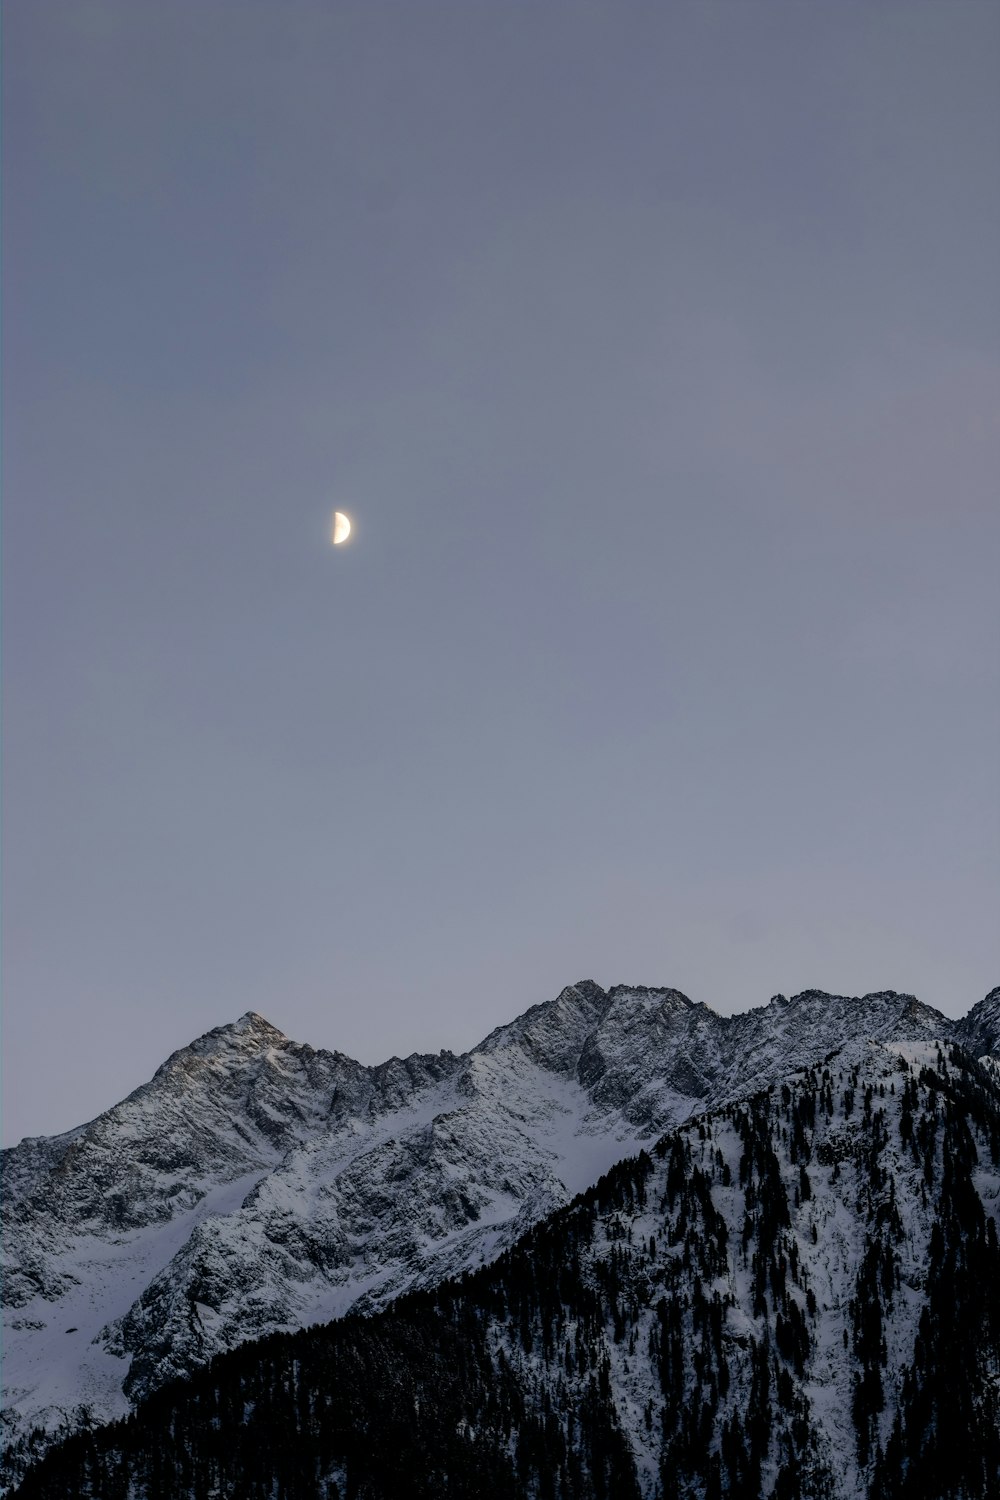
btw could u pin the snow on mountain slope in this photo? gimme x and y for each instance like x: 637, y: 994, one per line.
x: 55, y: 1359
x: 255, y: 1184
x: 234, y: 1101
x: 92, y: 1216
x: 793, y: 1295
x: 357, y: 1217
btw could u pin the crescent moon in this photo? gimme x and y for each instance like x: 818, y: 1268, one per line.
x: 341, y: 528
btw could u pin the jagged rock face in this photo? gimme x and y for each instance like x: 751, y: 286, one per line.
x: 234, y: 1102
x: 639, y: 1024
x: 353, y: 1218
x: 93, y: 1216
x: 256, y: 1184
x: 797, y: 1294
x: 979, y: 1031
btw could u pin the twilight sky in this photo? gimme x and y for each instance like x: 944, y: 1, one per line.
x: 655, y: 352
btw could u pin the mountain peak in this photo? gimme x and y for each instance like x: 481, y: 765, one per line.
x: 553, y: 1032
x: 251, y: 1023
x: 251, y: 1030
x: 248, y: 1036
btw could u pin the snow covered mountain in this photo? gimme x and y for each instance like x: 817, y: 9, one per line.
x: 256, y: 1185
x: 794, y: 1295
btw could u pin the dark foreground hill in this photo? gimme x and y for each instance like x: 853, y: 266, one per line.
x: 797, y: 1296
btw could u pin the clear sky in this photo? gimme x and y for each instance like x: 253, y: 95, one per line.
x: 653, y: 349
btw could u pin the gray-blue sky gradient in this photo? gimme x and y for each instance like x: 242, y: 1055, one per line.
x: 655, y: 352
